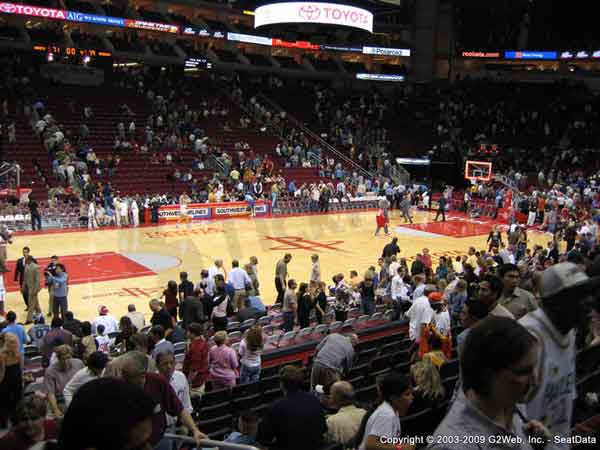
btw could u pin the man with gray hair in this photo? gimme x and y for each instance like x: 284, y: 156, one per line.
x: 343, y: 425
x: 334, y: 356
x: 134, y: 369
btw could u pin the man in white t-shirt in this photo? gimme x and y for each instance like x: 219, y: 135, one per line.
x: 165, y: 363
x: 419, y: 314
x: 109, y: 322
x: 566, y: 292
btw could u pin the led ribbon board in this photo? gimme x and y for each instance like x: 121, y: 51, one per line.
x: 314, y: 12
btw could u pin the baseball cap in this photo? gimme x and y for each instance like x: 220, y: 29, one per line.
x: 435, y: 298
x: 103, y: 310
x: 565, y: 276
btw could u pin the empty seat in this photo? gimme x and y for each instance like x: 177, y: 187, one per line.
x: 214, y: 397
x: 246, y: 402
x: 217, y: 425
x: 212, y: 411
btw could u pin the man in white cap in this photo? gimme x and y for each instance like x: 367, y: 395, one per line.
x: 109, y: 322
x: 566, y: 297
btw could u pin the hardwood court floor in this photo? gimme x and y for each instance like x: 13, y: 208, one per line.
x: 116, y: 267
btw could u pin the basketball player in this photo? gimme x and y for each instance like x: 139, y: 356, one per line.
x: 184, y: 200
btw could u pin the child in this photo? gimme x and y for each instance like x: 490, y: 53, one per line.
x: 102, y: 341
x: 248, y: 426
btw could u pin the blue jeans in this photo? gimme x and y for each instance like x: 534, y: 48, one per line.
x: 288, y: 321
x: 249, y: 374
x: 368, y: 305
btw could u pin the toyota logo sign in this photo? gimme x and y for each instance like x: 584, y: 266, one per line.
x: 314, y: 12
x: 309, y: 12
x: 7, y: 8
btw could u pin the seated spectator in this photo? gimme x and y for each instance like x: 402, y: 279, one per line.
x: 71, y: 324
x: 86, y: 422
x: 248, y: 311
x: 247, y: 429
x: 103, y: 342
x: 126, y: 330
x: 345, y: 423
x: 222, y: 363
x: 136, y: 317
x: 95, y: 364
x: 30, y: 425
x: 395, y: 394
x: 87, y: 344
x: 138, y: 342
x: 157, y: 336
x: 498, y: 366
x: 279, y: 427
x: 435, y: 353
x: 38, y: 331
x: 57, y: 376
x: 109, y: 322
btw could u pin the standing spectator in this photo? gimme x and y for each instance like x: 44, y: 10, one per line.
x: 334, y: 357
x: 456, y: 301
x: 240, y: 281
x: 391, y: 249
x: 57, y: 376
x: 250, y: 350
x: 37, y: 332
x: 515, y: 299
x: 15, y: 328
x: 305, y: 305
x: 160, y: 315
x: 195, y: 363
x: 420, y: 314
x: 345, y: 423
x: 219, y: 304
x: 498, y: 365
x: 442, y: 202
x: 136, y: 317
x: 366, y: 288
x: 134, y: 370
x: 395, y: 395
x: 11, y: 376
x: 281, y: 275
x: 36, y: 219
x: 222, y: 362
x: 290, y: 306
x: 279, y: 427
x: 95, y: 364
x: 171, y: 298
x: 165, y: 363
x: 565, y: 291
x: 60, y: 290
x: 56, y: 334
x: 157, y: 336
x: 320, y: 302
x: 31, y: 285
x: 315, y: 272
x: 191, y: 309
x: 109, y: 322
x: 5, y: 240
x: 71, y: 324
x: 473, y: 311
x: 490, y: 289
x: 126, y: 330
x: 185, y: 288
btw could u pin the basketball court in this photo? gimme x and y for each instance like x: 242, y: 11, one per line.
x: 116, y: 267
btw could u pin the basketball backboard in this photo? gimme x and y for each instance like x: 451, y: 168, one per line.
x: 478, y: 170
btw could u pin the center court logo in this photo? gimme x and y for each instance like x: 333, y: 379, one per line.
x: 309, y: 12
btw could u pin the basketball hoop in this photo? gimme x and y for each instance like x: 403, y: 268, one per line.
x: 478, y: 171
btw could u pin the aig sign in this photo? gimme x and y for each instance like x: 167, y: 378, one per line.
x: 314, y: 12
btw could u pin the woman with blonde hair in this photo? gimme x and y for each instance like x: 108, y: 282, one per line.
x: 429, y: 390
x: 222, y: 362
x: 250, y: 350
x: 11, y: 376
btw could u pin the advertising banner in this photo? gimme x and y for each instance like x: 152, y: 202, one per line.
x: 529, y: 54
x: 476, y: 54
x: 151, y: 26
x: 203, y: 211
x: 35, y: 11
x: 249, y: 38
x: 379, y: 77
x: 75, y: 16
x: 385, y: 51
x: 314, y: 12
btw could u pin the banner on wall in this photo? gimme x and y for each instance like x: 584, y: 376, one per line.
x: 35, y: 11
x: 151, y: 26
x: 75, y: 16
x: 203, y: 211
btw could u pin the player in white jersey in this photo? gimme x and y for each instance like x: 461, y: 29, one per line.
x: 184, y: 200
x: 565, y: 292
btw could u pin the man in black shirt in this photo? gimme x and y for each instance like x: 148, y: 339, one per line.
x: 20, y: 274
x: 279, y: 429
x: 391, y: 249
x: 160, y: 315
x: 248, y: 312
x: 191, y: 309
x: 186, y: 287
x: 441, y: 208
x: 36, y: 219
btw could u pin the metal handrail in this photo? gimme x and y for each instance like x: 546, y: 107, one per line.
x: 318, y: 138
x: 219, y: 164
x: 208, y: 443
